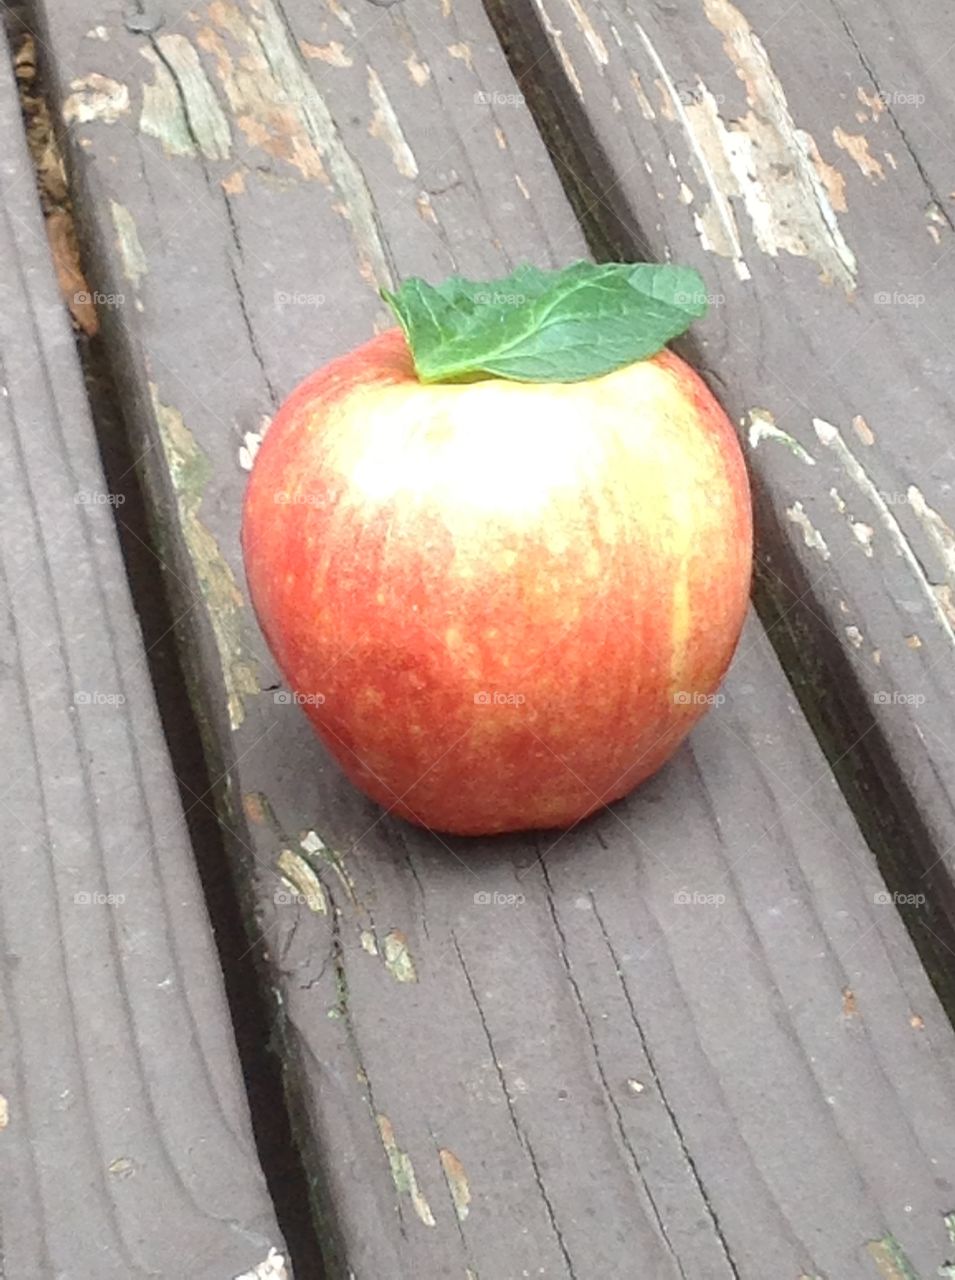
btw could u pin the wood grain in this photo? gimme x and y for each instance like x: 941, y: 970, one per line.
x: 687, y: 1039
x: 125, y: 1144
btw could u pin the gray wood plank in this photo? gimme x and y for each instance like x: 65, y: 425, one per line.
x: 125, y: 1143
x: 688, y: 1039
x: 801, y: 158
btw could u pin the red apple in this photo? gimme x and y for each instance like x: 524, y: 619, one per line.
x: 502, y: 604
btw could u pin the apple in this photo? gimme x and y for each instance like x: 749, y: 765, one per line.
x: 502, y: 603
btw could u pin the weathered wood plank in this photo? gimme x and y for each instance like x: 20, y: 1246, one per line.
x: 687, y: 1039
x: 800, y: 158
x: 125, y: 1144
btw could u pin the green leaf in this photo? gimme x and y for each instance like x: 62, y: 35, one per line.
x: 546, y: 326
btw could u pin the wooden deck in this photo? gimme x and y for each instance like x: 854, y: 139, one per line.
x: 691, y: 1039
x: 125, y: 1145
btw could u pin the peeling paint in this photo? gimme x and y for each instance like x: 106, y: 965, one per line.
x: 402, y: 1171
x: 398, y: 959
x: 252, y: 442
x: 333, y: 54
x: 875, y: 104
x: 162, y: 115
x: 4, y: 1112
x: 810, y: 536
x: 855, y: 637
x: 863, y: 534
x: 234, y: 183
x: 207, y: 121
x: 840, y: 505
x: 189, y: 471
x: 419, y: 71
x: 594, y: 43
x: 368, y: 943
x: 258, y: 809
x: 267, y: 117
x: 96, y: 97
x: 946, y: 599
x: 273, y: 1268
x: 857, y: 146
x: 762, y: 426
x: 787, y: 201
x: 522, y: 186
x: 343, y: 16
x: 832, y: 438
x: 940, y: 534
x: 180, y: 108
x: 312, y: 842
x: 386, y: 127
x: 666, y: 97
x: 646, y: 106
x: 863, y: 430
x: 281, y: 111
x: 302, y: 878
x: 830, y: 177
x: 935, y: 213
x: 426, y: 208
x: 457, y: 1182
x: 462, y: 52
x: 315, y: 846
x: 764, y: 159
x: 716, y: 226
x: 127, y: 239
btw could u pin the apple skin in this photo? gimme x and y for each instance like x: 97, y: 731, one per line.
x: 502, y: 605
